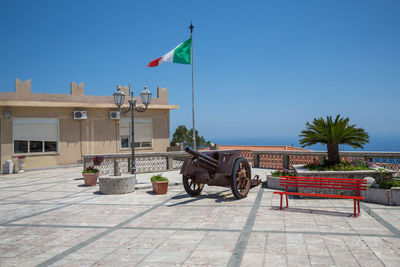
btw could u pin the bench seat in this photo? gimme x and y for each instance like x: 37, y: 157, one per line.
x: 344, y: 184
x: 319, y: 195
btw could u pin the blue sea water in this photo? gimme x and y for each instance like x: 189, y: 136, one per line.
x: 377, y: 143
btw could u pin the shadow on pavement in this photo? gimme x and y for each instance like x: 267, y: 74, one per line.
x: 219, y: 197
x: 322, y: 212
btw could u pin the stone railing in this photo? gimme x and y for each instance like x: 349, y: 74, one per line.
x: 286, y: 159
x: 145, y: 162
x: 164, y: 161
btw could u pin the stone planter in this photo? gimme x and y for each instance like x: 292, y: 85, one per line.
x: 273, y: 183
x: 122, y: 184
x: 90, y: 178
x: 382, y: 196
x: 160, y: 187
x: 299, y: 170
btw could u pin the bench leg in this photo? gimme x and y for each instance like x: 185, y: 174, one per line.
x: 287, y: 202
x: 355, y: 204
x: 281, y: 202
x: 358, y: 201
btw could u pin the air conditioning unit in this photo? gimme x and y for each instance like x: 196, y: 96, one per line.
x: 80, y: 115
x: 115, y: 115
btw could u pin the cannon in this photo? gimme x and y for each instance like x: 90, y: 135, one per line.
x: 219, y: 168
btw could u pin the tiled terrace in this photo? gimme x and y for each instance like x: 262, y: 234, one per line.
x: 50, y: 218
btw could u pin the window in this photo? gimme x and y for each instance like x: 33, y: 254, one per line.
x: 35, y: 135
x: 143, y: 133
x: 20, y: 146
x: 125, y: 141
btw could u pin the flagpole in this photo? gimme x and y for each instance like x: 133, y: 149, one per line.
x: 194, y: 129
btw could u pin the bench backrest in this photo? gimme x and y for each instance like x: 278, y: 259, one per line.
x: 324, y: 182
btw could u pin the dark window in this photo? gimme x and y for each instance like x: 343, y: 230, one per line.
x: 35, y: 146
x: 20, y: 146
x: 146, y: 144
x: 50, y: 146
x: 124, y: 142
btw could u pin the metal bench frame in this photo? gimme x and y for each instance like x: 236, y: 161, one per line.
x: 356, y: 185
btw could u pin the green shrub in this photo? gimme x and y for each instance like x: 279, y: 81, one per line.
x: 354, y: 165
x: 96, y: 161
x: 158, y: 178
x: 388, y: 183
x: 385, y: 179
x: 90, y: 169
x: 283, y: 172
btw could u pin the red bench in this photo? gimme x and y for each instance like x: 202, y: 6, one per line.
x: 355, y: 185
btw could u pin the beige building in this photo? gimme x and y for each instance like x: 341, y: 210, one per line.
x: 56, y: 129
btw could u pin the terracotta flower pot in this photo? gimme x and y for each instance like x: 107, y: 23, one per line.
x: 90, y: 178
x: 160, y: 187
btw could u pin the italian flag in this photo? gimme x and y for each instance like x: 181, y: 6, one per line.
x: 180, y: 54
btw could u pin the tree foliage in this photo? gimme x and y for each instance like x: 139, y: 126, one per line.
x: 184, y: 136
x: 332, y: 133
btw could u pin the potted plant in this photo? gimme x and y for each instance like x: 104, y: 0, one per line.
x: 160, y: 184
x: 91, y: 173
x: 21, y: 163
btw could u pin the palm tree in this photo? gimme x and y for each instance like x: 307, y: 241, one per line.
x: 332, y: 133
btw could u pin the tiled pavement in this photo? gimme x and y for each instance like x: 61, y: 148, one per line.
x: 49, y: 218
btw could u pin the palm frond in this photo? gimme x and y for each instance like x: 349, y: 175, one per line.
x: 333, y: 131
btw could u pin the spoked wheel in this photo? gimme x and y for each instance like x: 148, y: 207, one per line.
x: 241, y: 178
x: 191, y: 188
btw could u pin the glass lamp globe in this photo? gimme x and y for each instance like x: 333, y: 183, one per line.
x: 119, y: 97
x: 146, y: 96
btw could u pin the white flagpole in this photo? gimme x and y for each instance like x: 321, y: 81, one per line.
x: 194, y: 129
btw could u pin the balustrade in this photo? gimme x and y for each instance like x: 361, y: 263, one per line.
x: 165, y: 161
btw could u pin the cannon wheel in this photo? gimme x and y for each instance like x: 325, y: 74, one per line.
x: 241, y: 180
x: 191, y: 188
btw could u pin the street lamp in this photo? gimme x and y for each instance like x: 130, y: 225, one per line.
x: 119, y: 98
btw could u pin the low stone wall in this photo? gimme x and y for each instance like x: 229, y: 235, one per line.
x: 382, y: 196
x: 299, y: 170
x: 273, y: 183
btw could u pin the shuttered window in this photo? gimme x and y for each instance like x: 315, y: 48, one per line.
x: 143, y: 133
x: 31, y: 136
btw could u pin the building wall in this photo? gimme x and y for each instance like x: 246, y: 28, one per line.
x: 97, y: 134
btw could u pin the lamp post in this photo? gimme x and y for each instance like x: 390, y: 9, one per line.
x: 119, y: 98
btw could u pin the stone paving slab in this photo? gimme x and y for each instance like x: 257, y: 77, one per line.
x: 48, y: 218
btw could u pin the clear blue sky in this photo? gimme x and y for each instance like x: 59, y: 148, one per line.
x: 262, y: 68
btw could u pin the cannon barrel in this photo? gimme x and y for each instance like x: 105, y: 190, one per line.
x: 206, y: 161
x: 200, y: 155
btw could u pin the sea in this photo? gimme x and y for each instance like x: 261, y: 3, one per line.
x: 377, y: 143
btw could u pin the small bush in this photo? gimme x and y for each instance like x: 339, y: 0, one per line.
x: 354, y: 165
x: 388, y: 183
x: 282, y: 172
x: 90, y: 169
x: 158, y: 178
x: 96, y: 161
